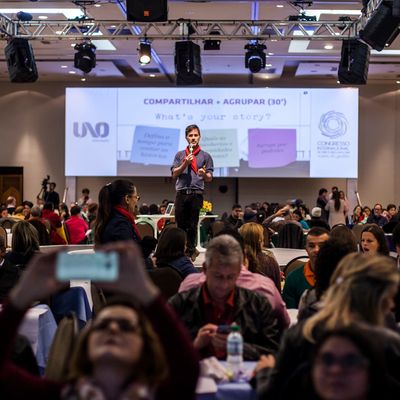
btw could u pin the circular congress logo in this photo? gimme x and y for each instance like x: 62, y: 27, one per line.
x: 333, y: 124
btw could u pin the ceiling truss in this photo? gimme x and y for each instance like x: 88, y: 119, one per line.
x: 179, y: 30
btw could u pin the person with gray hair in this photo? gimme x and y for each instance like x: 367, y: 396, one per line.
x: 209, y: 310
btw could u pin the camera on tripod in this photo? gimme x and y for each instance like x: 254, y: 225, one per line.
x: 45, y: 182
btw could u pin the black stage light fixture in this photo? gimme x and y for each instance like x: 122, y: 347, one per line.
x: 147, y: 10
x: 383, y: 25
x: 85, y: 57
x: 354, y: 63
x: 188, y: 63
x: 144, y: 52
x: 20, y: 61
x: 255, y: 57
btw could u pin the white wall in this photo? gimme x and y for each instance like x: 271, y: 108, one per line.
x: 32, y: 136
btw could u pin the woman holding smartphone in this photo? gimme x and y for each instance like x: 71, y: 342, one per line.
x: 128, y: 352
x: 115, y: 219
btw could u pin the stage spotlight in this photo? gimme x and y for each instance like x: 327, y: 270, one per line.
x: 85, y: 57
x: 255, y: 57
x: 144, y: 53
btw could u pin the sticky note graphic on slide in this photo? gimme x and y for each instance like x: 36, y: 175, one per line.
x: 271, y: 148
x: 154, y: 145
x: 222, y: 144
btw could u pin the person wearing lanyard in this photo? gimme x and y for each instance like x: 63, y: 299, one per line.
x: 191, y: 168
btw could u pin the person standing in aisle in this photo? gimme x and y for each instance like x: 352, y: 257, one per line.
x: 192, y: 167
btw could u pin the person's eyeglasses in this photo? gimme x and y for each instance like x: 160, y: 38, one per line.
x: 349, y: 362
x: 124, y: 325
x: 136, y: 196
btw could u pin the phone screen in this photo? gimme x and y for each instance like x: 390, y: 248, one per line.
x: 99, y: 266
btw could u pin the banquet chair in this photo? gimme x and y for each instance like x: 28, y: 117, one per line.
x: 166, y: 279
x: 293, y: 264
x: 62, y: 348
x: 3, y: 233
x: 217, y: 227
x: 145, y: 229
x: 291, y: 236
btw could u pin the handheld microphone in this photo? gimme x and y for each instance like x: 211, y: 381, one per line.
x: 190, y: 149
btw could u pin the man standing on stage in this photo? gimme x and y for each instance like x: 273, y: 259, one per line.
x: 192, y: 167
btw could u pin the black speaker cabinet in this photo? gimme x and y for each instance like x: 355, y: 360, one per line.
x: 354, y: 63
x: 382, y: 27
x: 147, y: 10
x: 187, y: 63
x: 20, y: 61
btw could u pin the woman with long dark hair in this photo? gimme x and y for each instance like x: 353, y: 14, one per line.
x: 170, y: 252
x: 337, y: 210
x: 373, y: 241
x: 115, y: 219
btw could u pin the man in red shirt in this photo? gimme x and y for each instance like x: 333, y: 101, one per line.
x: 219, y: 302
x: 76, y: 227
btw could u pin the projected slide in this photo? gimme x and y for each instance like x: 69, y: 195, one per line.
x: 248, y: 132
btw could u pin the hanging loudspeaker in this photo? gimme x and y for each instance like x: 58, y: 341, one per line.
x: 353, y: 67
x: 147, y: 10
x: 20, y: 61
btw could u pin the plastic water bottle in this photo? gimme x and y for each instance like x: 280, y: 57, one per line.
x: 234, y: 351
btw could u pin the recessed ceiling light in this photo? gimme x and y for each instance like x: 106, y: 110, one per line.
x: 83, y: 79
x: 274, y: 40
x: 72, y: 44
x: 43, y: 17
x: 270, y: 54
x: 152, y: 76
x: 64, y: 66
x: 280, y: 5
x: 72, y: 72
x: 268, y: 65
x: 328, y: 47
x: 337, y: 81
x: 398, y: 82
x: 58, y: 32
x: 97, y: 5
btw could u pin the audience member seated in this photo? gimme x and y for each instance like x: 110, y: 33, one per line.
x: 11, y: 204
x: 135, y: 348
x: 85, y: 198
x: 170, y: 252
x: 92, y: 214
x: 298, y: 216
x: 346, y: 364
x: 377, y: 217
x: 36, y: 220
x: 24, y: 244
x: 373, y: 241
x: 55, y: 224
x: 328, y: 258
x: 148, y: 245
x: 219, y: 301
x: 19, y: 213
x: 251, y: 281
x: 115, y: 216
x: 303, y: 277
x: 4, y: 212
x: 361, y: 293
x: 291, y: 236
x: 278, y: 219
x: 317, y: 219
x: 76, y: 227
x: 235, y: 219
x: 64, y: 211
x: 9, y: 273
x: 265, y: 262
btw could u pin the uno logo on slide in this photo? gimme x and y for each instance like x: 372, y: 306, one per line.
x: 100, y: 130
